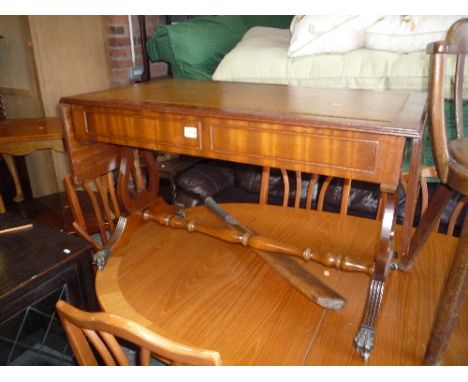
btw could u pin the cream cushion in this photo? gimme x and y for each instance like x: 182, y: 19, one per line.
x: 405, y: 34
x: 261, y: 57
x: 328, y: 34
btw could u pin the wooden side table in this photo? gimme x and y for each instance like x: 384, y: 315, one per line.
x: 37, y: 267
x: 22, y: 137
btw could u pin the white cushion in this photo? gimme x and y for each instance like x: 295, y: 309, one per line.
x: 404, y: 34
x: 328, y: 34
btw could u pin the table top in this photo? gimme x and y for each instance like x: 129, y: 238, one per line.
x: 30, y: 129
x: 389, y: 112
x: 28, y: 255
x: 220, y: 296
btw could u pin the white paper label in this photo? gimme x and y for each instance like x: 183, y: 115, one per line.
x: 190, y: 132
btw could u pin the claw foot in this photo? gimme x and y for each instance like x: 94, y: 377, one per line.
x: 100, y: 258
x: 364, y: 341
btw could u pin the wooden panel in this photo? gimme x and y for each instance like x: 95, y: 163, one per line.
x: 120, y: 127
x: 354, y: 155
x: 18, y: 80
x: 70, y: 56
x: 30, y: 129
x: 87, y: 160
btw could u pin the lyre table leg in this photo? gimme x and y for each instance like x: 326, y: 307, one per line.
x: 364, y: 340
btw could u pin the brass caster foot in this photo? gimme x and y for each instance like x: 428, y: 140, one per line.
x: 364, y: 341
x: 100, y: 258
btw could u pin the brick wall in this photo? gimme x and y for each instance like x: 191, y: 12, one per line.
x: 120, y: 48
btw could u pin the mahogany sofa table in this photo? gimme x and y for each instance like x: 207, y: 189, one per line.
x: 354, y: 134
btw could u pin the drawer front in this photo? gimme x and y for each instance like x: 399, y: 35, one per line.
x: 327, y: 151
x: 156, y: 131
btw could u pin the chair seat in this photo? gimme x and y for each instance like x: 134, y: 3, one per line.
x: 458, y: 149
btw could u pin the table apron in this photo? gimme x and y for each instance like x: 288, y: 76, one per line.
x: 328, y: 151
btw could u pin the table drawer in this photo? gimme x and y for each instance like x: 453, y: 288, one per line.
x: 160, y: 131
x: 335, y: 152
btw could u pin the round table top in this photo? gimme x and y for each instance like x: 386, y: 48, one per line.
x: 211, y: 294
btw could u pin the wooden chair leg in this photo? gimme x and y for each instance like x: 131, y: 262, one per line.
x: 450, y: 302
x: 429, y: 220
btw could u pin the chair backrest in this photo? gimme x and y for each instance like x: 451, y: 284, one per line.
x: 455, y: 215
x: 456, y: 43
x: 99, y: 331
x: 94, y: 206
x: 309, y: 191
x: 105, y: 181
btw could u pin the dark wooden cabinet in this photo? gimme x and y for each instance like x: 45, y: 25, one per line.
x: 37, y: 267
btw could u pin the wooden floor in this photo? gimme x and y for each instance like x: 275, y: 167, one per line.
x: 409, y: 304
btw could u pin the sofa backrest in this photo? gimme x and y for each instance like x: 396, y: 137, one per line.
x: 194, y: 48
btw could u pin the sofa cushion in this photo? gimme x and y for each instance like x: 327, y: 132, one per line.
x: 405, y: 34
x: 207, y: 179
x: 194, y: 48
x: 249, y: 178
x: 262, y: 57
x: 328, y: 34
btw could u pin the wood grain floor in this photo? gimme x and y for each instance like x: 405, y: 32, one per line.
x: 407, y: 313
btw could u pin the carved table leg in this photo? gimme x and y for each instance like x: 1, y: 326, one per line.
x: 10, y: 162
x: 364, y: 340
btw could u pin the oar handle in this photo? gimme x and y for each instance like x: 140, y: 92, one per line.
x: 228, y: 218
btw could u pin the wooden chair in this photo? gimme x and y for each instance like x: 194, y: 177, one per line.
x: 451, y: 158
x: 99, y: 332
x: 94, y: 207
x: 97, y: 193
x: 307, y: 184
x: 455, y: 213
x: 107, y: 195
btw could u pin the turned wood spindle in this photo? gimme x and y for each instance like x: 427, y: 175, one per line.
x: 261, y: 243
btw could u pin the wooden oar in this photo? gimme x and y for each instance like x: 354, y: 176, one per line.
x: 290, y: 270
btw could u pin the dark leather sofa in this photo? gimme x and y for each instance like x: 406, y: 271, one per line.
x: 238, y: 183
